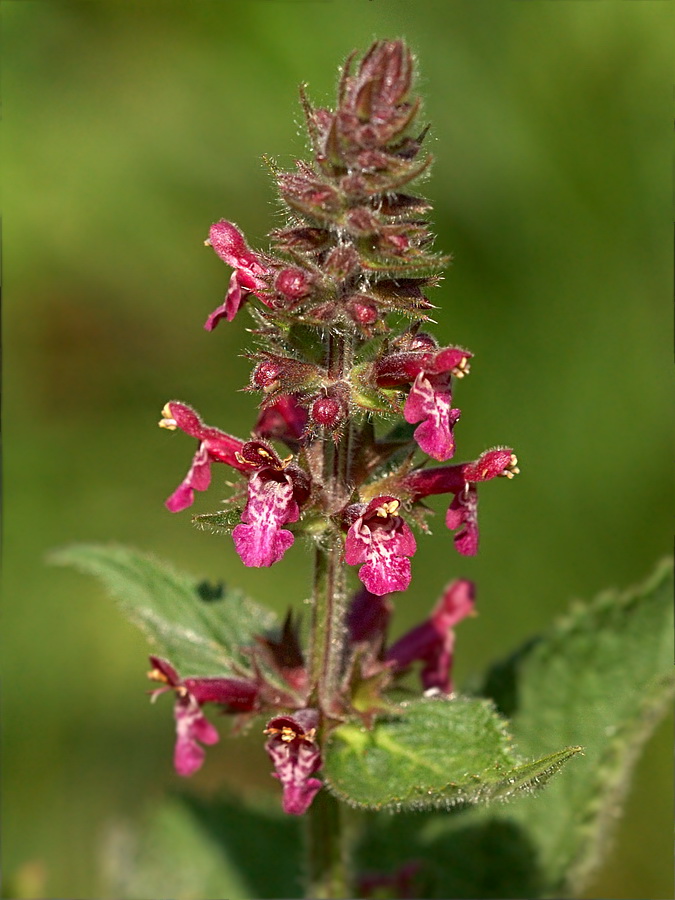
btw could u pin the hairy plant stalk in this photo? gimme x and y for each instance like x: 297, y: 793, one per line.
x: 326, y: 852
x: 326, y: 855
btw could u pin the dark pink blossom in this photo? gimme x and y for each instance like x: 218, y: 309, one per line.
x: 368, y: 617
x: 433, y: 641
x: 214, y: 446
x: 284, y: 420
x: 429, y: 370
x: 461, y: 481
x: 261, y: 540
x: 248, y: 275
x: 192, y: 727
x: 430, y: 402
x: 381, y: 540
x: 296, y: 756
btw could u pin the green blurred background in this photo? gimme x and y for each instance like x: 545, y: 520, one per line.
x: 130, y: 127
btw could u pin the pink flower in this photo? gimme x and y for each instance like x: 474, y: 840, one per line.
x: 430, y: 370
x: 284, y: 420
x: 296, y: 757
x: 381, y: 540
x: 192, y: 727
x: 261, y: 540
x: 368, y: 617
x: 461, y: 481
x: 430, y: 402
x: 433, y: 641
x: 247, y: 278
x: 275, y: 492
x: 214, y: 446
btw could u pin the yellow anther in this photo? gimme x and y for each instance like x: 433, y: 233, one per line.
x: 389, y: 508
x: 157, y: 675
x: 262, y: 452
x: 168, y: 421
x: 462, y: 368
x: 512, y: 469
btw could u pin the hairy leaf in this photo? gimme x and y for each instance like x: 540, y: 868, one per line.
x: 601, y: 678
x: 437, y: 752
x: 199, y: 630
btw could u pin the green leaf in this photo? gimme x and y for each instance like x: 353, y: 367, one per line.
x: 201, y: 634
x: 602, y: 677
x: 189, y: 848
x: 437, y: 752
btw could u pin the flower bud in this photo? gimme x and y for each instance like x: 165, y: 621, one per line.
x: 292, y: 283
x: 328, y: 412
x: 266, y: 375
x: 363, y: 312
x: 421, y: 341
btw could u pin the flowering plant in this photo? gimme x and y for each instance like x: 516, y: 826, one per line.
x: 356, y: 428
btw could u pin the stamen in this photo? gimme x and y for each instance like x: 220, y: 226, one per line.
x: 168, y: 420
x: 387, y: 509
x: 158, y: 675
x: 512, y: 469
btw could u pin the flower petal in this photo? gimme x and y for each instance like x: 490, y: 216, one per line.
x: 430, y: 402
x: 296, y: 756
x: 198, y: 478
x: 191, y: 726
x: 260, y: 540
x: 433, y: 641
x: 231, y: 247
x: 381, y: 540
x: 463, y: 511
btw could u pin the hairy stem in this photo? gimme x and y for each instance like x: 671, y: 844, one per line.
x: 327, y: 866
x: 326, y: 854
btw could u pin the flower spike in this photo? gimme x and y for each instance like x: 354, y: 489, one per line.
x: 332, y: 366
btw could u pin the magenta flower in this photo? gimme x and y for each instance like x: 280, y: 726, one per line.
x: 429, y: 402
x: 381, y: 540
x: 283, y: 420
x: 261, y: 540
x: 192, y: 727
x: 214, y: 446
x: 368, y: 617
x: 461, y: 481
x: 247, y: 278
x: 433, y: 641
x: 296, y: 756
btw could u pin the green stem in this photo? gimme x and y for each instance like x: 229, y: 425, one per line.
x: 325, y: 831
x: 327, y: 875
